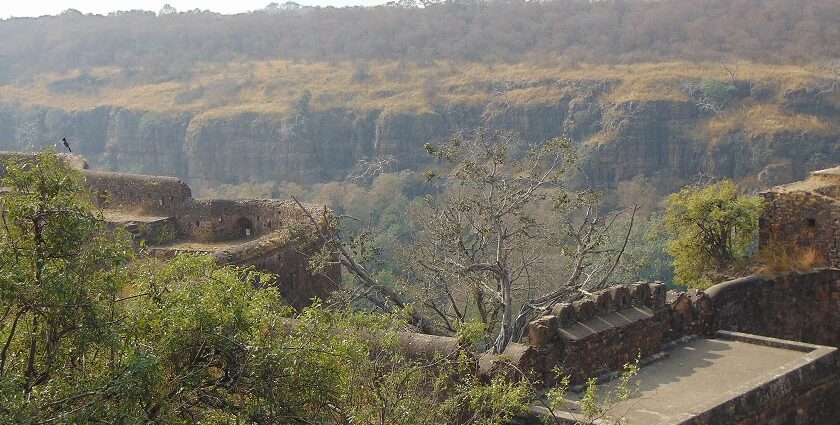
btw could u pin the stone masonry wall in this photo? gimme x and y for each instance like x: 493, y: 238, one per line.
x: 595, y: 336
x: 161, y: 211
x: 797, y: 306
x: 807, y: 219
x: 198, y: 220
x: 807, y: 395
x: 289, y: 262
x: 591, y: 337
x: 216, y: 220
x: 154, y: 195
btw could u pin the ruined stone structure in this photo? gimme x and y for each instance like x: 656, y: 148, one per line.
x: 764, y: 344
x: 807, y: 214
x: 161, y: 212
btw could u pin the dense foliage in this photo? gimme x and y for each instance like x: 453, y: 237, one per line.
x: 615, y: 31
x: 88, y: 335
x: 711, y: 229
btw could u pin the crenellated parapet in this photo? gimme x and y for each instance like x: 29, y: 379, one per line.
x: 616, y: 298
x: 599, y: 334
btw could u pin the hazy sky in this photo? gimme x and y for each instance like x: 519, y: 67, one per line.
x: 52, y: 7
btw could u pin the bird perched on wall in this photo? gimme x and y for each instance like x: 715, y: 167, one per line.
x: 66, y: 145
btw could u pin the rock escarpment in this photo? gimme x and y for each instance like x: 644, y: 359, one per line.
x: 661, y: 138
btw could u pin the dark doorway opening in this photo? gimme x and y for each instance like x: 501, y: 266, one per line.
x: 246, y: 228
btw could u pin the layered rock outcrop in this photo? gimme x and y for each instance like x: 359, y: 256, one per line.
x: 620, y: 140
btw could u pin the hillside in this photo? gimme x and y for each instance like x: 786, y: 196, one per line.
x: 170, y: 44
x: 666, y: 89
x: 285, y: 121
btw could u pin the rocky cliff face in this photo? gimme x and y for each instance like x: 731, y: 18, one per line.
x: 645, y: 139
x: 654, y: 138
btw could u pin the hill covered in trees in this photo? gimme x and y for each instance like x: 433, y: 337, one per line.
x: 169, y: 44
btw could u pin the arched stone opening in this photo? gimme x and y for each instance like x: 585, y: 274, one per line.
x: 246, y: 227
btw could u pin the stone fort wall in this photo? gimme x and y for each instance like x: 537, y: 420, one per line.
x: 807, y: 219
x: 805, y: 214
x: 199, y: 220
x: 261, y: 226
x: 248, y: 232
x: 152, y: 195
x: 595, y: 337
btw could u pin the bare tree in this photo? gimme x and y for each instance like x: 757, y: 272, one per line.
x: 708, y: 95
x: 731, y: 68
x: 367, y: 169
x: 487, y: 238
x: 499, y: 103
x: 832, y: 66
x: 337, y: 251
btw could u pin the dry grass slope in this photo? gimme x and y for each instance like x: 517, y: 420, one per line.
x: 274, y: 86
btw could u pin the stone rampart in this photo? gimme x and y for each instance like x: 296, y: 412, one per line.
x: 726, y: 378
x: 276, y: 254
x: 797, y: 306
x: 595, y: 336
x: 806, y: 219
x: 215, y: 220
x: 161, y: 212
x: 155, y: 195
x: 805, y: 214
x: 592, y: 337
x: 807, y: 394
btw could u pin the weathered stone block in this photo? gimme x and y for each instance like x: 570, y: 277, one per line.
x: 620, y: 297
x: 639, y: 293
x: 584, y: 309
x: 657, y: 296
x: 603, y: 300
x: 542, y: 331
x: 565, y: 313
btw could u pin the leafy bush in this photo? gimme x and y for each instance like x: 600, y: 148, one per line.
x: 710, y: 230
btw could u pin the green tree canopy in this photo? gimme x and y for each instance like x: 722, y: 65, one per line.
x: 89, y: 333
x: 710, y: 229
x: 59, y: 282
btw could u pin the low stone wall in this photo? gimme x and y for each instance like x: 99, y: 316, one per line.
x: 804, y: 390
x: 807, y: 394
x: 592, y: 337
x: 806, y: 219
x: 154, y: 195
x: 797, y: 306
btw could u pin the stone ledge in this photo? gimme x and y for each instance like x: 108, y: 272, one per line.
x: 603, y: 322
